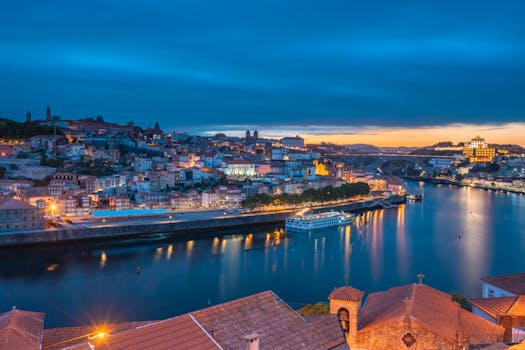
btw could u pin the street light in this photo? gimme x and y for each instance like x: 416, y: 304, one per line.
x: 53, y: 208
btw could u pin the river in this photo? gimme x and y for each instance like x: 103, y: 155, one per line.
x: 78, y: 284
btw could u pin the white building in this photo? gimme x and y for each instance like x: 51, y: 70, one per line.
x: 240, y: 168
x: 503, y: 303
x: 293, y: 142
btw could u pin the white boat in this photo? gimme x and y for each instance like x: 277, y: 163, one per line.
x: 414, y: 197
x: 315, y: 221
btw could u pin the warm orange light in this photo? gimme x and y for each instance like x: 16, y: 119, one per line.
x: 99, y: 334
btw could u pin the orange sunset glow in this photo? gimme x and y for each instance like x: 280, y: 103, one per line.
x: 511, y: 133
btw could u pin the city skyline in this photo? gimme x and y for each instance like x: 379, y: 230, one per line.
x: 508, y: 133
x: 201, y: 64
x: 300, y: 174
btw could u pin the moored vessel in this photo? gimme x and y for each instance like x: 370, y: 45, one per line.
x: 315, y: 221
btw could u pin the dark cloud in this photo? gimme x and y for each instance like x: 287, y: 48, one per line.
x: 197, y: 63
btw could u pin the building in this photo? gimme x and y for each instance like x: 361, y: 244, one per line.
x: 240, y: 168
x: 259, y: 321
x: 502, y: 286
x: 503, y: 303
x: 16, y: 215
x: 413, y: 316
x: 21, y: 330
x: 508, y: 312
x: 292, y: 142
x: 478, y: 151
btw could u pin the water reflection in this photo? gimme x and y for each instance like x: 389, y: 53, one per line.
x: 380, y: 249
x: 189, y: 248
x: 403, y: 255
x: 103, y: 259
x: 169, y: 252
x: 215, y: 245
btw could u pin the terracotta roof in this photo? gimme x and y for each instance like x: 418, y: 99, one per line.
x: 21, y: 330
x: 513, y: 283
x: 13, y: 204
x: 346, y: 293
x: 328, y: 325
x: 58, y: 338
x: 178, y: 333
x: 494, y: 306
x: 218, y: 327
x: 278, y: 326
x: 518, y: 309
x: 430, y: 308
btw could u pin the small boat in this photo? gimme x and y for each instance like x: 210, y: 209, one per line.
x: 315, y: 221
x: 414, y: 197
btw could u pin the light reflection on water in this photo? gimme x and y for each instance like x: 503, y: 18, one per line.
x: 380, y: 249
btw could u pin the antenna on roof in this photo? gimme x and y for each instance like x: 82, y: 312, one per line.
x: 420, y: 276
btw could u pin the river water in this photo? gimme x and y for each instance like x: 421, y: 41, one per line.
x: 98, y: 282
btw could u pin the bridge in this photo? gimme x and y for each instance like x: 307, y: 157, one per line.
x: 383, y: 158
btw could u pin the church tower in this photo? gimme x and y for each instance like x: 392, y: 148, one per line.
x: 48, y: 114
x: 345, y: 302
x: 28, y: 117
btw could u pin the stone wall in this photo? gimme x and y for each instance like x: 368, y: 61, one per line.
x: 98, y: 233
x: 185, y: 227
x: 390, y: 337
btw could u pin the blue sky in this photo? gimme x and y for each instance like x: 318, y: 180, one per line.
x: 198, y: 64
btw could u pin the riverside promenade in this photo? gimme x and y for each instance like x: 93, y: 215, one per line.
x: 444, y: 181
x: 187, y: 225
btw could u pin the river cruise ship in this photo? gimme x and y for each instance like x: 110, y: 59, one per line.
x: 315, y: 221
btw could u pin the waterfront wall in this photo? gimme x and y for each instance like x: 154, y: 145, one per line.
x: 439, y: 181
x: 175, y: 228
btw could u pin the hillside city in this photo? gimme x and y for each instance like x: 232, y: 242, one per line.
x: 70, y: 169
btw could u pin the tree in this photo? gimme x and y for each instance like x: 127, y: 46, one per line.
x: 462, y: 301
x: 314, y: 309
x: 325, y: 194
x: 99, y: 119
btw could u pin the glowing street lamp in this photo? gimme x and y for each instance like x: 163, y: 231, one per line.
x: 53, y: 208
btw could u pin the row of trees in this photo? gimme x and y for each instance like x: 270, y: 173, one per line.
x: 325, y: 194
x: 15, y: 130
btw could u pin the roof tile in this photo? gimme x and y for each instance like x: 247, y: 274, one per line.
x: 346, y: 293
x: 513, y: 283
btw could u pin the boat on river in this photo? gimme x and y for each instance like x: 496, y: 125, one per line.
x: 315, y: 221
x: 414, y: 197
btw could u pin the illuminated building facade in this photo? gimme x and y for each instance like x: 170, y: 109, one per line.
x: 478, y: 151
x: 240, y: 168
x: 18, y: 215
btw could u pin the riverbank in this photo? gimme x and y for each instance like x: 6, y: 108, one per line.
x: 440, y: 181
x: 173, y: 226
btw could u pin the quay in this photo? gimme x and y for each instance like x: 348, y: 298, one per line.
x: 441, y: 181
x: 184, y: 227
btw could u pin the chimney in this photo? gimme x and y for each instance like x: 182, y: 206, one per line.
x: 251, y: 341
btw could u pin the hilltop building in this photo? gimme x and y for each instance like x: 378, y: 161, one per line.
x: 251, y: 140
x: 292, y: 142
x: 478, y: 151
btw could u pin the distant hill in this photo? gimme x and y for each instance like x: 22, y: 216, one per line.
x: 362, y: 147
x: 22, y: 130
